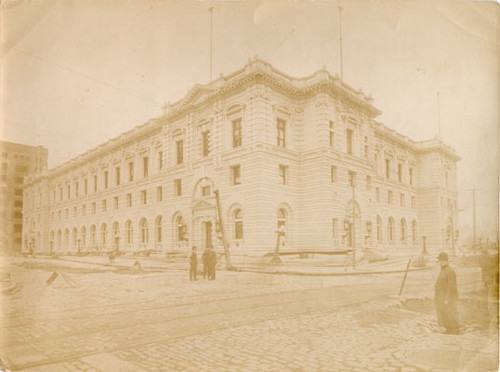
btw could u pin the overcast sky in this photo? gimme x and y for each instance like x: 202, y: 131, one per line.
x: 77, y: 73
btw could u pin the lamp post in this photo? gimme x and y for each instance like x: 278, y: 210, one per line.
x: 424, y: 237
x: 281, y: 232
x: 353, y: 230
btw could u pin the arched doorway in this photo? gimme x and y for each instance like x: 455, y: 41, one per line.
x: 204, y: 213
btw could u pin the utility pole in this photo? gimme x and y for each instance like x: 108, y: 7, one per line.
x: 211, y: 10
x: 229, y: 266
x: 340, y: 39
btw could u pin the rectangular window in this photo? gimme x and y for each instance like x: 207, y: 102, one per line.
x: 387, y: 168
x: 413, y: 202
x: 115, y: 202
x: 400, y: 173
x: 93, y: 207
x: 74, y: 211
x: 77, y: 189
x: 106, y: 179
x: 159, y: 193
x: 377, y: 194
x: 145, y: 166
x: 160, y: 160
x: 282, y: 174
x: 66, y: 213
x: 402, y: 200
x: 331, y: 133
x: 368, y: 182
x: 84, y: 210
x: 281, y: 128
x: 389, y: 197
x: 333, y: 174
x: 411, y: 176
x: 205, y: 191
x: 18, y: 203
x: 18, y: 191
x: 179, y: 149
x: 335, y: 228
x: 236, y: 174
x: 129, y: 200
x: 365, y: 148
x: 18, y: 228
x: 349, y: 134
x: 68, y: 192
x: 204, y: 142
x: 117, y: 175
x: 95, y: 183
x: 85, y: 186
x: 352, y: 178
x: 131, y: 171
x: 237, y: 135
x: 178, y: 187
x: 60, y: 193
x: 144, y: 197
x: 104, y: 205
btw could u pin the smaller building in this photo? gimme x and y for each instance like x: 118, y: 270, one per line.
x: 17, y: 161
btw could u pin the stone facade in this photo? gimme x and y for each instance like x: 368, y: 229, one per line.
x: 17, y: 160
x: 280, y: 150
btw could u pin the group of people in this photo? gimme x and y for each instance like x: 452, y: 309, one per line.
x: 209, y: 258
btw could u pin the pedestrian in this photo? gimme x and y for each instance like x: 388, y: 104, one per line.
x: 206, y: 258
x: 446, y: 296
x: 212, y: 261
x: 193, y: 264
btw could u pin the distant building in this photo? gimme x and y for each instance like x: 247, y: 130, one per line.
x: 17, y: 161
x: 282, y: 151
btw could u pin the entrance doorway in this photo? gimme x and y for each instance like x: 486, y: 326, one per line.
x: 207, y: 225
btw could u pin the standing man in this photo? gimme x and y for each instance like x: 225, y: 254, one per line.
x: 446, y: 296
x: 193, y: 264
x: 212, y: 259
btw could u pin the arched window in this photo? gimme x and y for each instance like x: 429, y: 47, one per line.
x: 403, y: 229
x: 128, y: 227
x: 59, y: 238
x: 92, y: 235
x: 83, y: 237
x: 75, y: 237
x: 180, y: 228
x: 158, y: 229
x: 103, y: 234
x: 281, y: 218
x: 116, y: 230
x: 414, y: 230
x: 143, y: 226
x: 238, y: 224
x: 391, y: 229
x: 379, y: 229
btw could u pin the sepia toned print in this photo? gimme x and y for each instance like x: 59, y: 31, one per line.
x: 200, y: 186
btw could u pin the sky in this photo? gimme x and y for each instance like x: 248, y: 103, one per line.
x: 75, y: 73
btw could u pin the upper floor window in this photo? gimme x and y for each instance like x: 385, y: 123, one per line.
x: 400, y: 173
x: 389, y: 197
x: 85, y: 186
x: 333, y: 174
x: 236, y: 174
x: 117, y: 171
x: 413, y: 203
x: 144, y: 199
x: 179, y: 148
x: 365, y: 148
x: 368, y: 182
x: 402, y: 200
x: 205, y: 137
x: 349, y: 135
x: 331, y: 133
x: 68, y: 194
x: 95, y: 183
x: 159, y: 193
x: 387, y: 168
x: 77, y: 191
x: 411, y: 176
x: 145, y: 166
x: 129, y: 200
x: 352, y: 178
x: 283, y: 174
x: 446, y: 179
x: 178, y: 187
x: 106, y: 179
x: 160, y: 160
x: 281, y: 128
x: 115, y: 202
x: 377, y: 194
x: 237, y: 135
x: 131, y: 171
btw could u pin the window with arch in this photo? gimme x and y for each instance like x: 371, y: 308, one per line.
x: 128, y: 228
x: 116, y: 230
x: 414, y: 230
x: 379, y: 228
x: 281, y: 217
x: 103, y: 234
x: 158, y: 229
x: 238, y: 224
x: 331, y: 132
x: 180, y: 228
x: 390, y: 230
x: 92, y: 235
x: 143, y: 226
x: 83, y: 236
x: 59, y: 238
x: 66, y: 238
x: 75, y: 237
x: 403, y: 229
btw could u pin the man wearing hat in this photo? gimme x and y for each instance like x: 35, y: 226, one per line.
x: 446, y: 295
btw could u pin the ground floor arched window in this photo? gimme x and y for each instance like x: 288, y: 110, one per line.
x: 414, y: 230
x: 403, y: 229
x: 158, y: 229
x: 390, y: 229
x: 143, y: 226
x: 379, y: 229
x: 238, y: 224
x: 129, y: 230
x: 92, y: 236
x: 103, y: 234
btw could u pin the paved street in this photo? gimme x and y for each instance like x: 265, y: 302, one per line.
x: 242, y: 321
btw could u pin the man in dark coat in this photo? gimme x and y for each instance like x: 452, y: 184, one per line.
x: 193, y: 264
x: 446, y: 296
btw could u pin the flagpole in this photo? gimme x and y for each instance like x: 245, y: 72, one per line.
x: 439, y: 117
x: 340, y: 39
x: 211, y: 10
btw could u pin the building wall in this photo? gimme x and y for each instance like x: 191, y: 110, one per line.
x: 320, y: 115
x: 17, y: 160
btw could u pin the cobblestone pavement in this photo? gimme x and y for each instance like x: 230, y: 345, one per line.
x: 241, y: 322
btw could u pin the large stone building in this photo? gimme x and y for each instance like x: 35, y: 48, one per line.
x: 17, y: 161
x: 281, y: 151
